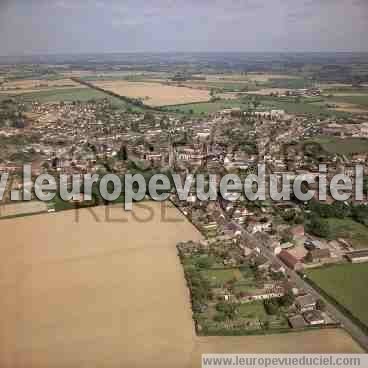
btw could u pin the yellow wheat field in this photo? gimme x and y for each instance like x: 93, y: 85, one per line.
x: 35, y: 85
x: 155, y: 94
x: 106, y: 289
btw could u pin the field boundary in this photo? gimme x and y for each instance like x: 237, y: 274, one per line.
x: 186, y: 104
x: 271, y: 331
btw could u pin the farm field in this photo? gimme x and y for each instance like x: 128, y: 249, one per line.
x: 76, y: 292
x: 289, y: 83
x: 358, y: 102
x: 344, y: 146
x: 113, y: 75
x: 247, y: 77
x: 265, y: 103
x: 155, y: 94
x: 350, y: 108
x: 207, y: 107
x: 34, y: 85
x: 320, y: 341
x: 82, y: 94
x: 347, y: 285
x: 23, y: 208
x: 265, y: 77
x: 266, y: 83
x: 348, y: 99
x: 268, y: 91
x: 219, y: 86
x: 108, y: 286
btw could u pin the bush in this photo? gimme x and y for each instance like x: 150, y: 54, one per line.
x: 287, y: 300
x: 271, y: 306
x: 320, y: 227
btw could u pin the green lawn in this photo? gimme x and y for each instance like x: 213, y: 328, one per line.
x: 245, y: 287
x: 347, y: 284
x: 349, y: 229
x: 253, y: 310
x: 221, y: 277
x: 343, y: 146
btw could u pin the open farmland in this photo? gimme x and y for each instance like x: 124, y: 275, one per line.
x: 155, y: 94
x: 265, y: 77
x: 320, y: 341
x: 357, y: 103
x: 347, y: 285
x: 350, y: 108
x: 57, y: 95
x: 34, y: 85
x: 245, y: 103
x: 348, y: 98
x: 22, y: 208
x: 82, y: 94
x: 112, y: 294
x: 342, y: 146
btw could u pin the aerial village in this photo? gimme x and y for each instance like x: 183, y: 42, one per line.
x: 241, y: 275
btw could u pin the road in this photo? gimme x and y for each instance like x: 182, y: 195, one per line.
x: 355, y: 331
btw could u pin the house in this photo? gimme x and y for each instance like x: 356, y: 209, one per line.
x: 258, y: 227
x: 261, y: 262
x: 358, y: 256
x: 314, y: 317
x: 305, y: 303
x: 316, y: 255
x: 297, y: 321
x: 210, y: 229
x: 265, y: 294
x: 287, y: 245
x: 290, y: 260
x: 277, y: 268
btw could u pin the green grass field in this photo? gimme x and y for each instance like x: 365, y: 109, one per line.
x: 349, y: 229
x: 70, y: 95
x: 347, y: 284
x: 253, y: 310
x: 359, y: 101
x: 346, y: 89
x: 343, y: 146
x: 289, y: 83
x: 305, y: 106
x: 245, y: 287
x: 228, y: 86
x: 207, y: 107
x: 221, y: 277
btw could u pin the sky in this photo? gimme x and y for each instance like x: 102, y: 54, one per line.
x: 103, y: 26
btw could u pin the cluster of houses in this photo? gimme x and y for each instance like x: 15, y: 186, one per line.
x: 307, y: 313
